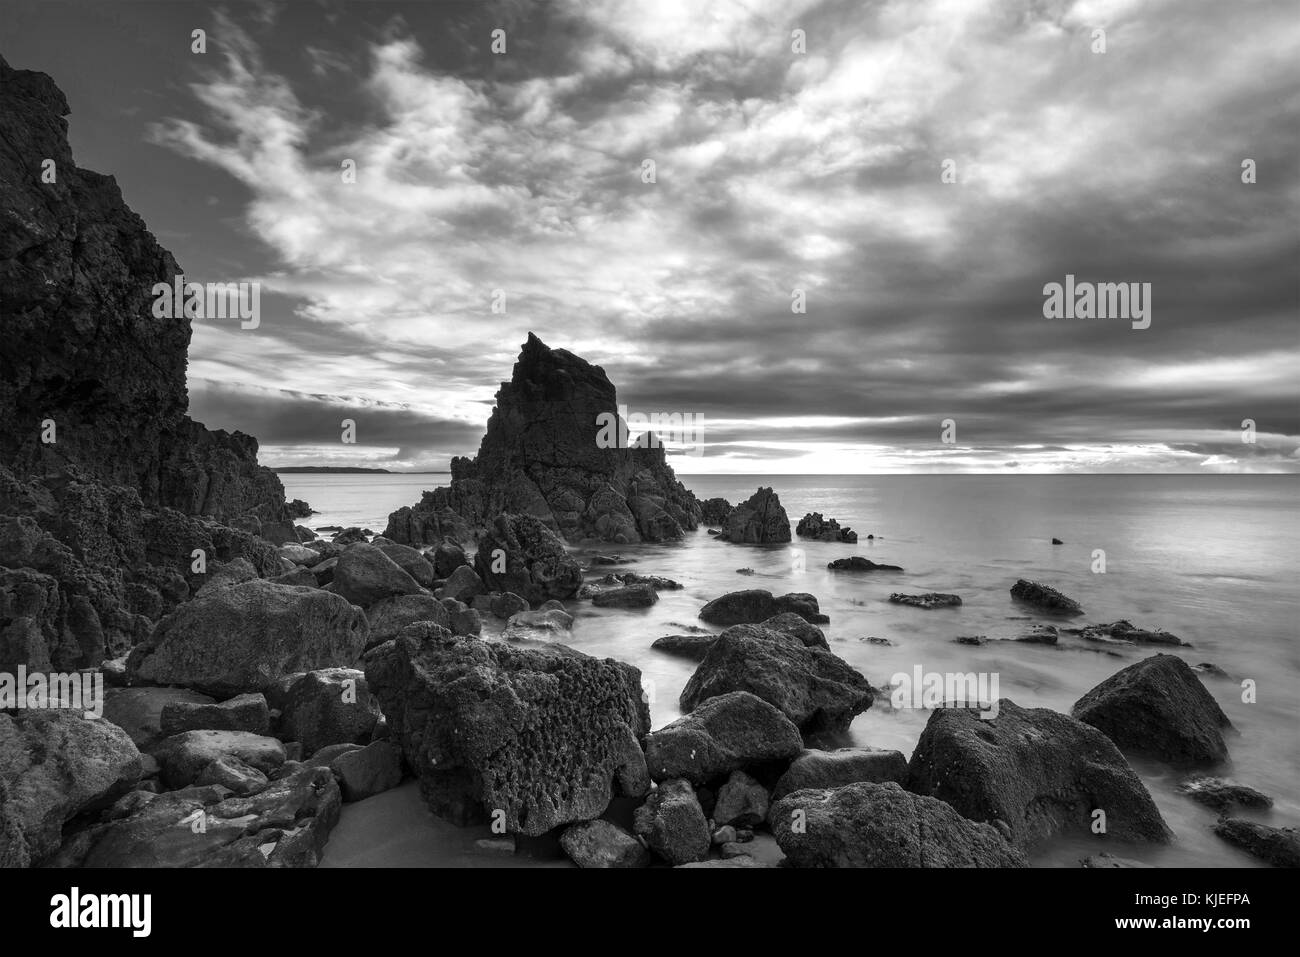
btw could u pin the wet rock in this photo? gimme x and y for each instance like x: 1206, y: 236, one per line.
x: 464, y: 585
x: 832, y: 769
x: 1108, y: 860
x: 1223, y: 795
x: 299, y: 554
x: 755, y: 605
x: 1158, y: 707
x: 760, y: 520
x: 788, y: 623
x: 694, y: 647
x: 725, y: 733
x: 242, y: 638
x: 856, y: 563
x: 349, y: 536
x: 672, y: 823
x: 545, y: 734
x: 328, y: 706
x: 742, y: 801
x: 138, y: 711
x: 235, y: 774
x: 626, y: 596
x: 53, y: 766
x: 1039, y: 772
x: 602, y: 844
x: 812, y: 525
x: 1125, y: 631
x: 365, y: 772
x: 814, y: 688
x: 1045, y: 598
x: 1279, y: 846
x: 882, y: 825
x: 461, y: 619
x: 300, y: 577
x: 535, y: 563
x: 927, y: 601
x: 714, y: 511
x: 389, y: 616
x: 507, y: 604
x: 224, y: 574
x: 409, y: 560
x: 549, y: 625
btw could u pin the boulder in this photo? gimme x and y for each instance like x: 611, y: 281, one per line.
x: 533, y: 560
x: 927, y: 601
x: 234, y: 774
x: 814, y: 769
x: 224, y: 574
x: 243, y: 638
x: 714, y: 511
x: 1125, y: 632
x: 754, y: 605
x: 388, y: 617
x: 694, y: 647
x: 328, y: 706
x: 1279, y: 846
x: 789, y: 623
x: 672, y: 824
x: 742, y: 801
x: 365, y: 575
x: 183, y: 757
x: 464, y: 585
x: 760, y: 520
x: 882, y: 825
x: 299, y: 554
x: 138, y: 711
x: 1223, y: 795
x: 365, y: 772
x: 549, y: 625
x: 724, y: 734
x: 1038, y: 772
x: 447, y: 557
x: 245, y: 712
x: 410, y: 561
x: 812, y: 687
x: 813, y: 525
x: 55, y: 765
x: 300, y: 577
x: 545, y: 734
x: 1158, y: 707
x: 602, y: 844
x: 506, y: 605
x: 626, y: 596
x: 1044, y: 598
x: 856, y: 563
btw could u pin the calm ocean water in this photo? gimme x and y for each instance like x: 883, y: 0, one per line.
x: 1211, y: 558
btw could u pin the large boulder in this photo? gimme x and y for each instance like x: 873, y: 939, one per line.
x: 751, y: 606
x: 602, y: 844
x: 368, y: 771
x: 520, y: 554
x: 365, y: 575
x: 1038, y: 772
x: 1279, y: 846
x: 245, y: 712
x: 138, y: 711
x: 724, y: 734
x: 410, y: 561
x: 1158, y: 707
x: 882, y: 825
x: 243, y: 638
x: 813, y: 525
x: 1045, y: 598
x: 324, y: 707
x: 183, y: 757
x: 53, y: 766
x: 544, y: 734
x: 814, y: 688
x: 286, y: 824
x: 760, y: 520
x: 832, y: 769
x: 388, y: 617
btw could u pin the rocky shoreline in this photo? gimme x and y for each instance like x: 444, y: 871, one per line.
x: 261, y: 677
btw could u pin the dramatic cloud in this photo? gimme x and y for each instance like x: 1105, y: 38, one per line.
x: 516, y: 180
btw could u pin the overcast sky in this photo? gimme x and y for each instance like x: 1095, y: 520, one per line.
x: 775, y: 170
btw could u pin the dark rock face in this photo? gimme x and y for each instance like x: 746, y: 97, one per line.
x: 694, y: 647
x: 243, y: 638
x: 324, y: 707
x: 1125, y: 632
x: 881, y: 825
x: 856, y: 563
x: 833, y: 769
x: 672, y: 823
x: 366, y: 575
x: 754, y: 605
x: 53, y: 766
x: 724, y: 734
x: 1223, y: 795
x: 812, y: 525
x: 541, y: 457
x: 927, y: 601
x: 1158, y: 707
x: 1045, y: 598
x: 602, y: 844
x: 760, y: 520
x: 82, y: 346
x: 545, y: 735
x: 533, y: 560
x: 814, y: 688
x: 1037, y: 771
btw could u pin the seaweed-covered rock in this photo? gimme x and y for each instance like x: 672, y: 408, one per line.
x: 544, y: 734
x: 1158, y: 707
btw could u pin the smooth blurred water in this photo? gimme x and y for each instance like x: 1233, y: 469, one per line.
x: 1211, y: 558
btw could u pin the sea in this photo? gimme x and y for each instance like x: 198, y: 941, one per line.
x: 1210, y: 558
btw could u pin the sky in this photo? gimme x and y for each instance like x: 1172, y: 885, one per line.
x: 917, y: 171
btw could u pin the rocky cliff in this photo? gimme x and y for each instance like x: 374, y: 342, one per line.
x: 108, y: 489
x: 81, y: 348
x: 541, y: 457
